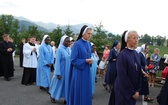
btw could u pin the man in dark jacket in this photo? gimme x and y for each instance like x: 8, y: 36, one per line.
x: 6, y: 50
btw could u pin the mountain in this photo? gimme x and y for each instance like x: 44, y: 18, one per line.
x: 25, y: 24
x: 22, y: 18
x: 49, y: 27
x: 76, y: 28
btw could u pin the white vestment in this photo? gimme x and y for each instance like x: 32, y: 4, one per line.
x: 30, y: 57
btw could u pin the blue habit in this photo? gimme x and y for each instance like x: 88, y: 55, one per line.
x: 164, y: 93
x: 93, y: 70
x: 59, y: 88
x: 144, y: 87
x: 111, y: 72
x: 80, y: 92
x: 128, y: 80
x: 43, y: 71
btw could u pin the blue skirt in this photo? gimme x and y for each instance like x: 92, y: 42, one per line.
x: 111, y: 73
x: 144, y: 87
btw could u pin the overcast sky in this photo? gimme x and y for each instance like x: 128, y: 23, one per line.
x: 144, y: 16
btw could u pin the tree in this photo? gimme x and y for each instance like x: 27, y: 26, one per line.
x: 99, y: 37
x: 146, y: 39
x: 110, y: 36
x: 33, y: 31
x: 25, y: 35
x: 56, y: 35
x: 68, y: 30
x: 153, y: 39
x: 117, y: 37
x: 23, y: 28
x: 9, y: 25
x: 160, y: 40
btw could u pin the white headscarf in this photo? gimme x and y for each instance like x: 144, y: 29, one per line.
x: 126, y: 36
x: 143, y: 47
x: 62, y: 40
x: 44, y: 37
x: 140, y: 49
x: 71, y: 38
x: 91, y: 43
x: 84, y: 31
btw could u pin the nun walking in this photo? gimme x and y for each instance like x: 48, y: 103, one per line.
x: 59, y: 84
x: 164, y: 93
x: 45, y: 61
x: 80, y: 90
x: 144, y: 87
x: 128, y: 81
x: 111, y: 72
x: 94, y: 66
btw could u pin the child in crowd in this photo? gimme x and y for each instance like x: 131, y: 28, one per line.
x: 101, y: 67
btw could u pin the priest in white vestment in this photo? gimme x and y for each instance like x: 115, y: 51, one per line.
x: 30, y: 55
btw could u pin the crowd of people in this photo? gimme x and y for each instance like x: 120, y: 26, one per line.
x: 76, y: 67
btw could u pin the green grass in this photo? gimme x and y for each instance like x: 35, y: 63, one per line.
x: 159, y: 73
x: 163, y: 50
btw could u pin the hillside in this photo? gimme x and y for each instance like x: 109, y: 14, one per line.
x: 48, y: 27
x: 163, y: 50
x: 25, y: 24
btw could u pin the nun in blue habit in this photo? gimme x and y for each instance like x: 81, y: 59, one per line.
x: 128, y: 81
x: 94, y: 66
x: 164, y: 93
x: 80, y: 91
x: 59, y: 84
x: 145, y: 86
x: 45, y: 60
x: 111, y: 72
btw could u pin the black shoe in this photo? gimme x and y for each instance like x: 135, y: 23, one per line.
x: 27, y: 84
x: 32, y: 83
x: 43, y: 88
x: 65, y: 101
x: 105, y: 86
x: 48, y: 91
x: 52, y: 100
x: 7, y: 79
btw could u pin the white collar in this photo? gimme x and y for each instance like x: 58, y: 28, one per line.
x: 84, y: 39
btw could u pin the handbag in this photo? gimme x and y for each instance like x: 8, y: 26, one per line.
x: 150, y: 66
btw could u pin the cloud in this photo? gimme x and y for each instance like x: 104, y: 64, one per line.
x: 145, y: 16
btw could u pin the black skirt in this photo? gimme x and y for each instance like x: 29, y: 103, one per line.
x: 29, y: 76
